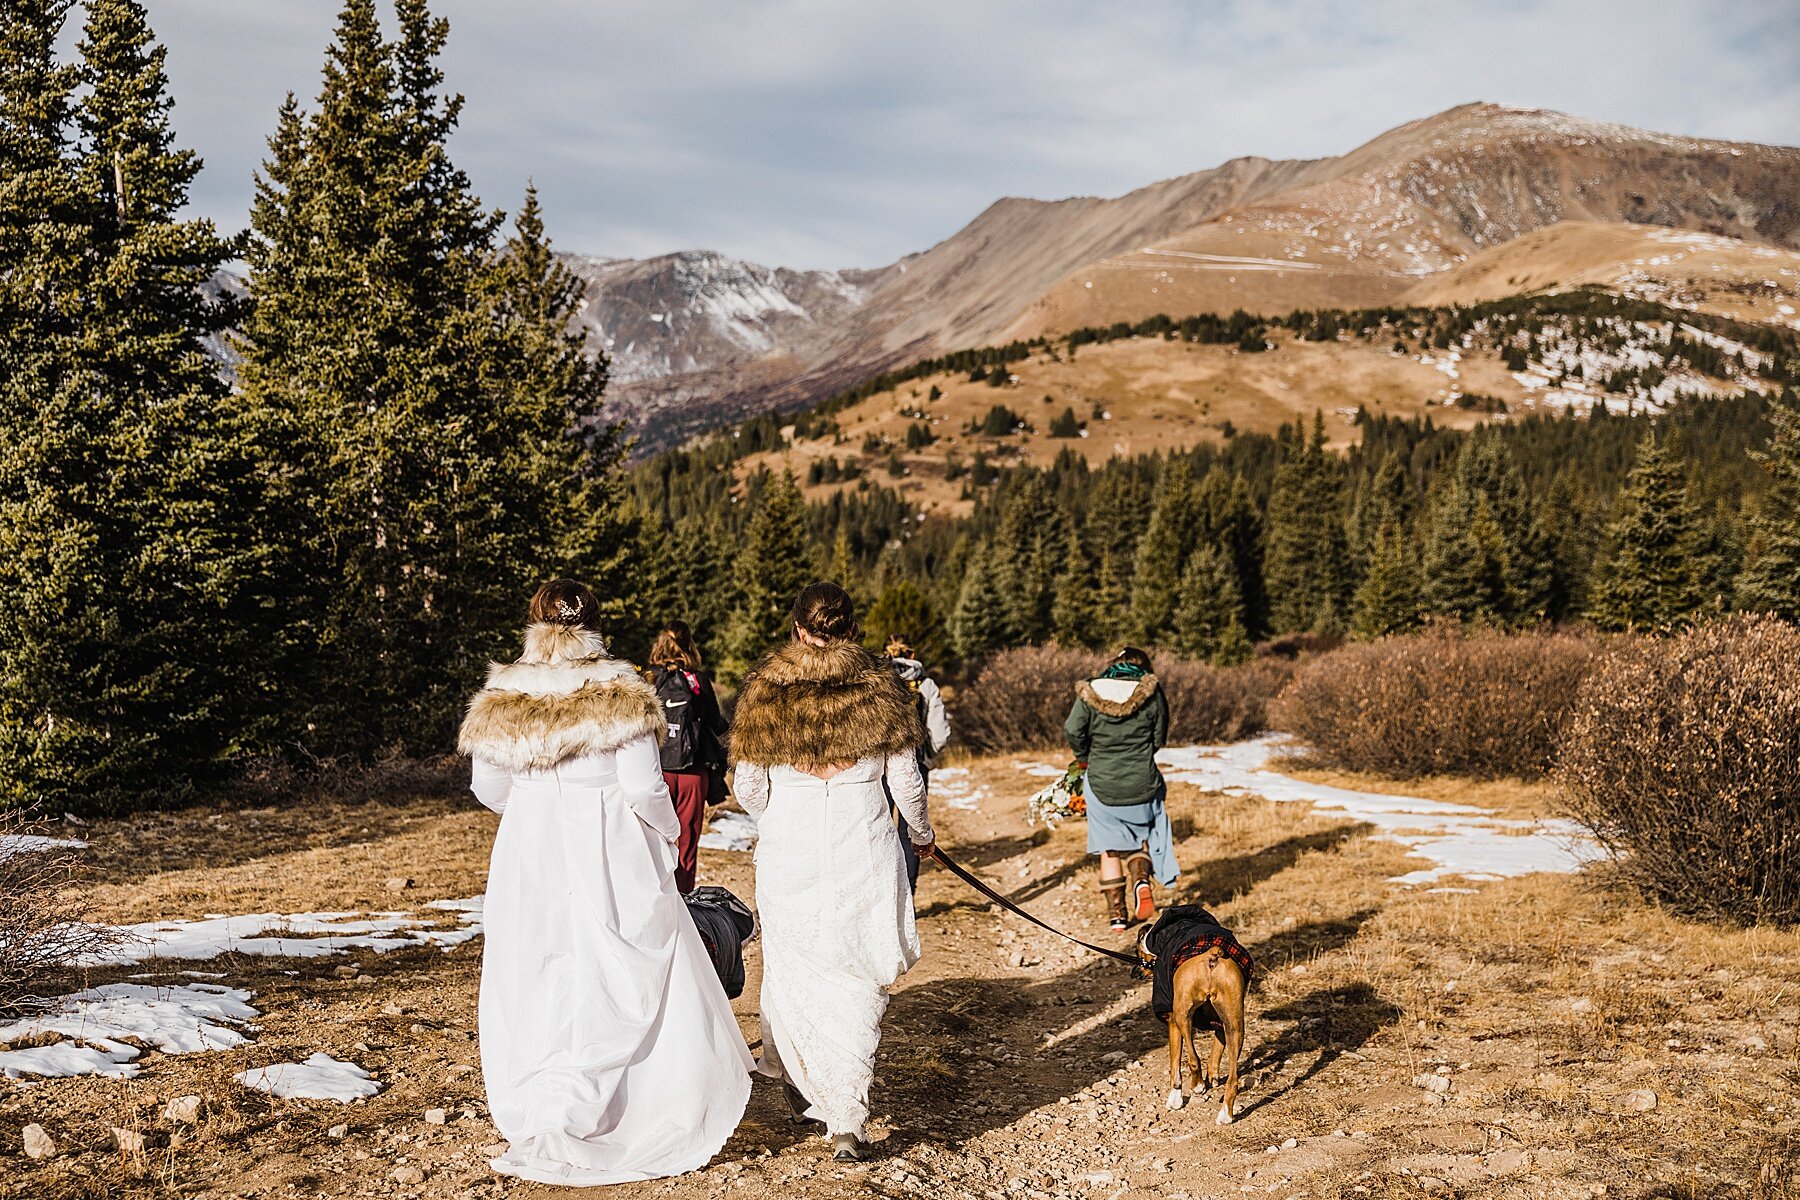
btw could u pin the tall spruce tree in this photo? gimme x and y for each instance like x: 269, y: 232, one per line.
x: 1072, y: 607
x: 1770, y: 580
x: 1652, y: 570
x: 978, y: 625
x: 421, y: 394
x: 774, y: 563
x: 129, y: 652
x: 1162, y: 554
x: 1387, y: 601
x: 1233, y: 524
x: 1306, y: 567
x: 1208, y: 620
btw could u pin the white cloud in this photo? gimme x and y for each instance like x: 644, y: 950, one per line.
x: 818, y: 133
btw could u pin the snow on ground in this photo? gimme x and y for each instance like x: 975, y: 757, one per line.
x: 284, y: 935
x: 468, y: 912
x: 954, y: 787
x: 1458, y: 839
x: 1038, y: 770
x: 320, y: 1077
x: 730, y: 831
x: 19, y: 843
x: 97, y: 1027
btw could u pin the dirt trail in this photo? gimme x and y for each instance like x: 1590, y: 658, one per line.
x: 1530, y: 1038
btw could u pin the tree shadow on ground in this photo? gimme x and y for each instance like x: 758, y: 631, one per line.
x: 1225, y: 878
x: 1327, y: 1022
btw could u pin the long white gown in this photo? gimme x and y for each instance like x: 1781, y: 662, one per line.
x: 837, y: 922
x: 609, y: 1049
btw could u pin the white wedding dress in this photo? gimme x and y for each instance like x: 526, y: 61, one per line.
x: 608, y: 1047
x: 837, y: 922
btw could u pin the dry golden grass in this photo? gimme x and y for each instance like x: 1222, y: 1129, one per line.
x: 1009, y: 1054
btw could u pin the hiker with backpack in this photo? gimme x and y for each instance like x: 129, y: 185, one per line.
x: 693, y: 750
x: 932, y: 715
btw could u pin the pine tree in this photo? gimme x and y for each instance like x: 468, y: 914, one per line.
x: 1387, y: 601
x: 978, y: 626
x: 1208, y: 619
x: 1072, y: 608
x: 1233, y: 524
x: 1162, y: 554
x: 1652, y: 571
x: 773, y: 565
x: 130, y: 645
x: 1464, y: 569
x: 1770, y: 580
x: 1023, y: 556
x: 420, y: 392
x: 1306, y: 566
x: 904, y: 609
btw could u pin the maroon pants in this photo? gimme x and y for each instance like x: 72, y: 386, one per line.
x: 688, y: 790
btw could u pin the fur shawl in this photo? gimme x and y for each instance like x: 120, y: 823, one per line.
x: 1140, y: 696
x: 815, y: 706
x: 563, y: 698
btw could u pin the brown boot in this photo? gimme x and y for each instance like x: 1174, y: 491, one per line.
x: 1137, y: 877
x: 1112, y: 891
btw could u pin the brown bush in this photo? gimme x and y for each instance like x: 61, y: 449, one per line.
x: 1683, y: 757
x: 41, y: 910
x: 1444, y: 701
x: 1019, y: 699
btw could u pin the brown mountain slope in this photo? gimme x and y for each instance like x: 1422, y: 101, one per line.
x: 1363, y: 229
x: 1366, y: 228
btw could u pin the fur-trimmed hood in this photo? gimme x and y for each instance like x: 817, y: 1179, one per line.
x: 1116, y: 697
x: 815, y: 706
x: 563, y: 698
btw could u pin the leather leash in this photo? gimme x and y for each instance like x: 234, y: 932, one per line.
x: 962, y: 874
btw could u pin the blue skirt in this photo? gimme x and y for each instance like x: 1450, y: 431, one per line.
x: 1122, y: 828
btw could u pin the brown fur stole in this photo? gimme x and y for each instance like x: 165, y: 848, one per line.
x: 1140, y: 696
x: 563, y: 698
x: 816, y: 706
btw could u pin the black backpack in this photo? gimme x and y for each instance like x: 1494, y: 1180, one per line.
x: 681, y: 713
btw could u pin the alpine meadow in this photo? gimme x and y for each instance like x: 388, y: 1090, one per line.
x: 1359, y: 591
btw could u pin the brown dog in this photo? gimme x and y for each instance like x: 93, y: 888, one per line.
x: 1209, y: 994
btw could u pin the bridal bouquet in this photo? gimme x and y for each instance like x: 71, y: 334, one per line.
x: 1061, y: 800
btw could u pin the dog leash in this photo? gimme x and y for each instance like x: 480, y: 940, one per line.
x: 958, y: 871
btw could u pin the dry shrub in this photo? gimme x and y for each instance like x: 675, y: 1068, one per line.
x: 1683, y: 757
x: 1019, y: 699
x: 41, y: 910
x: 1447, y: 701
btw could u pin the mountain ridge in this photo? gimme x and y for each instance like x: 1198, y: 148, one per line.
x: 1267, y: 235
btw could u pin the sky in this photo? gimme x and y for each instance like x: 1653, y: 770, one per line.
x: 820, y: 134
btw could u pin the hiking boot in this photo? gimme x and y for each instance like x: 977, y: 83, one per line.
x: 1143, y: 896
x: 847, y: 1147
x: 797, y: 1104
x: 1113, y: 892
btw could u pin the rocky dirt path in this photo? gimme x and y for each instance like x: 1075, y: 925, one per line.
x: 1527, y: 1037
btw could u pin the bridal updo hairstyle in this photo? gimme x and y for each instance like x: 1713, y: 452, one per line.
x: 565, y: 602
x: 826, y: 611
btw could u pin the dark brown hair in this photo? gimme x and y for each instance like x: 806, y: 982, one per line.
x: 675, y: 647
x: 825, y: 610
x: 565, y: 602
x: 1134, y: 656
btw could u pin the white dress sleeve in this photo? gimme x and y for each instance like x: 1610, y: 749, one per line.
x: 491, y: 784
x: 639, y: 766
x: 750, y: 784
x: 907, y: 787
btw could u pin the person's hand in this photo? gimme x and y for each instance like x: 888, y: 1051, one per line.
x: 926, y: 849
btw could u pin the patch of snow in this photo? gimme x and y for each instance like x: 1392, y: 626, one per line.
x: 730, y: 831
x: 955, y: 787
x: 278, y: 935
x: 1459, y: 839
x: 1038, y: 770
x: 21, y: 843
x: 320, y: 1077
x: 98, y: 1027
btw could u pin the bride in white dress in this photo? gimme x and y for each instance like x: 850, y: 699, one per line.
x: 821, y: 722
x: 608, y: 1047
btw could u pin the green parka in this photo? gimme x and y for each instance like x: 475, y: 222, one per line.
x: 1119, y: 739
